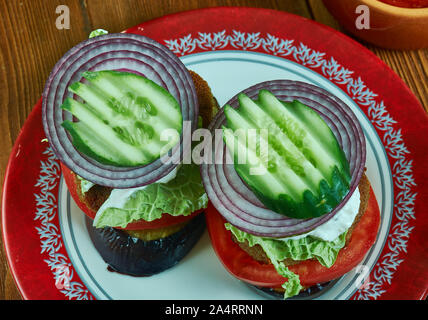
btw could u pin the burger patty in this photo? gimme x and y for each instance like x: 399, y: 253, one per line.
x: 258, y: 254
x: 208, y: 107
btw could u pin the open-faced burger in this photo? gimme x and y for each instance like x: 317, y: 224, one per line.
x: 118, y: 110
x: 290, y: 205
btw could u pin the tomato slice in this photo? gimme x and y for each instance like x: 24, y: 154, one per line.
x: 165, y: 221
x: 241, y: 265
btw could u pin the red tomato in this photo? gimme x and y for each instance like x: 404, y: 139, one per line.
x: 311, y: 272
x: 165, y: 221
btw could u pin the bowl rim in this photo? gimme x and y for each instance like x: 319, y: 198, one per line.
x: 395, y: 10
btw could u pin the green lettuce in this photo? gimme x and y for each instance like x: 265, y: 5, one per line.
x: 85, y: 185
x: 296, y: 249
x: 181, y: 196
x: 97, y: 32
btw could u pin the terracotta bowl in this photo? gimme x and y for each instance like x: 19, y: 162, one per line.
x: 390, y: 26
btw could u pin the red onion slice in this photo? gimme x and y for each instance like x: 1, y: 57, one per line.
x: 234, y: 199
x: 133, y: 53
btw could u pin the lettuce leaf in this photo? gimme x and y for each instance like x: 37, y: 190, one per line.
x: 85, y: 185
x: 306, y: 248
x: 97, y: 32
x: 181, y: 196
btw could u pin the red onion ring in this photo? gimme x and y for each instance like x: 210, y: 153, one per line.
x: 234, y: 199
x: 134, y: 53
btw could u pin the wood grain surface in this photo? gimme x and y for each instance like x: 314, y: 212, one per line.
x: 30, y: 45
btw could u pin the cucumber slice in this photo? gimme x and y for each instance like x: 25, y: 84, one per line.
x: 306, y: 172
x: 122, y: 118
x: 269, y: 180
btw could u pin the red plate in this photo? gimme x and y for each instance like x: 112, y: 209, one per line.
x: 398, y: 265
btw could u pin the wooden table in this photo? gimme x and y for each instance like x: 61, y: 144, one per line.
x: 31, y: 44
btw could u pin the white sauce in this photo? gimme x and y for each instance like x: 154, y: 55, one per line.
x: 337, y: 225
x: 119, y: 197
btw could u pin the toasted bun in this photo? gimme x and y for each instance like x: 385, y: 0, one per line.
x: 208, y: 105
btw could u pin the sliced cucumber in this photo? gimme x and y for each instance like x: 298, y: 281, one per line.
x: 122, y: 118
x: 306, y: 172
